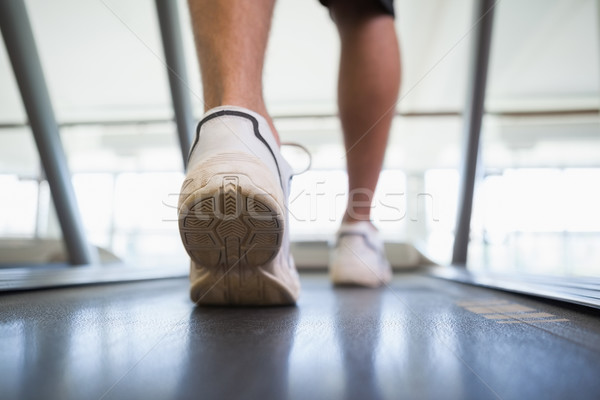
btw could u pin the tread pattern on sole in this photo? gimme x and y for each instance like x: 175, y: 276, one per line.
x: 227, y: 228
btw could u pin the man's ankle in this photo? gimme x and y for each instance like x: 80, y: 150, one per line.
x: 351, y: 218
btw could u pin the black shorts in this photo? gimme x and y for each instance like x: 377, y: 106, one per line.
x: 387, y: 6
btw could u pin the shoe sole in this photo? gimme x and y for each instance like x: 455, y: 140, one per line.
x: 231, y: 221
x: 231, y: 228
x: 241, y: 286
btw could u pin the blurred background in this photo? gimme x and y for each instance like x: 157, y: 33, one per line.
x: 536, y: 206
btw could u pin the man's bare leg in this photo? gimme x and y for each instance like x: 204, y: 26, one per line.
x: 231, y: 39
x: 369, y: 80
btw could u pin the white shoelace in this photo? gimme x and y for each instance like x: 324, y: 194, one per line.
x: 293, y: 159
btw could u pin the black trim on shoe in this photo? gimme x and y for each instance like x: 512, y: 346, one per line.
x: 254, y: 126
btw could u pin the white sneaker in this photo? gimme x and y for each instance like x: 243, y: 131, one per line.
x: 358, y: 257
x: 233, y: 213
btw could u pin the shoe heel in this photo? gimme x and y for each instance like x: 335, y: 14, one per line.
x: 231, y: 221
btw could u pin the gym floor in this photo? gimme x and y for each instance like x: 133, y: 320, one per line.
x: 420, y: 337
